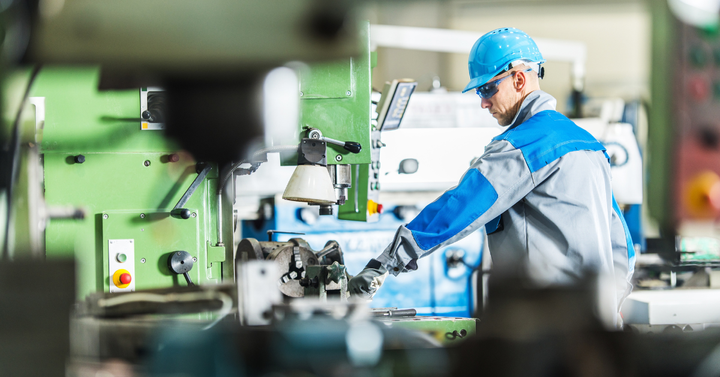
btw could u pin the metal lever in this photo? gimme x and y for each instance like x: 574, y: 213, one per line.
x: 351, y: 146
x: 178, y: 211
x: 329, y: 248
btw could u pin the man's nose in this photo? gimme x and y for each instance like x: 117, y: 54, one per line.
x: 485, y: 103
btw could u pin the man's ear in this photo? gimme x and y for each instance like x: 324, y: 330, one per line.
x: 520, y: 80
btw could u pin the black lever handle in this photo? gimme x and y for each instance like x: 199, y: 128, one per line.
x: 352, y: 146
x: 183, y: 213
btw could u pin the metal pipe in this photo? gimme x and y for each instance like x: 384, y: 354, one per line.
x: 357, y: 183
x: 219, y: 220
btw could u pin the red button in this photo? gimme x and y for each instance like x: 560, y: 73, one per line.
x: 380, y: 208
x: 699, y: 89
x: 125, y: 278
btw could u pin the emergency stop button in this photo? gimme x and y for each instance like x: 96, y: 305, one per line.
x: 374, y: 208
x: 122, y: 278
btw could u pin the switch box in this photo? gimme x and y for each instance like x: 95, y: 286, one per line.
x: 152, y: 109
x: 121, y: 263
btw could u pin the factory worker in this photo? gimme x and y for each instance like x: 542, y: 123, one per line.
x: 542, y: 189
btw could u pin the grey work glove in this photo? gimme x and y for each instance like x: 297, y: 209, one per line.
x: 366, y: 283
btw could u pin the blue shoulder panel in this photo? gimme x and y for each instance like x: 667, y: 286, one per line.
x: 547, y: 136
x: 628, y: 238
x: 454, y: 211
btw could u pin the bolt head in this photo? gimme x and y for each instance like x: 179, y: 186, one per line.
x: 142, y: 260
x: 302, y: 94
x: 194, y: 259
x: 142, y: 215
x: 105, y: 216
x: 194, y: 214
x: 146, y: 163
x: 338, y: 158
x: 348, y: 93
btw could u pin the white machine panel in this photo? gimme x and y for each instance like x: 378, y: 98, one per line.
x: 258, y: 291
x: 121, y: 256
x: 679, y: 306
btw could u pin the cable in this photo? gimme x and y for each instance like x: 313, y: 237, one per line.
x: 225, y: 309
x: 12, y: 150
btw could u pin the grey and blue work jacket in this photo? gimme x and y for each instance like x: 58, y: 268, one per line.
x: 542, y: 190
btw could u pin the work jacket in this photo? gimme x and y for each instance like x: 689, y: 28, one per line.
x: 542, y: 190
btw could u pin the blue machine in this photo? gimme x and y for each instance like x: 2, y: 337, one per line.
x: 442, y: 285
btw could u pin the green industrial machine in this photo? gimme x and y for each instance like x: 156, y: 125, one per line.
x: 97, y: 158
x: 335, y: 99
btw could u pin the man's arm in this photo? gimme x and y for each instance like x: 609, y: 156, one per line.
x: 498, y: 180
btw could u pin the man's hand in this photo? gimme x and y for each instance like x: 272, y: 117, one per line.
x: 366, y: 283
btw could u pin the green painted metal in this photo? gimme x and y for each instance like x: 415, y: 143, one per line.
x: 661, y: 134
x: 126, y: 173
x: 335, y: 98
x: 81, y: 119
x: 446, y: 330
x: 360, y: 177
x: 156, y: 236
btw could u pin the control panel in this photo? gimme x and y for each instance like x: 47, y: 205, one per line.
x: 374, y: 207
x: 152, y: 109
x: 697, y: 191
x: 121, y: 265
x: 684, y: 138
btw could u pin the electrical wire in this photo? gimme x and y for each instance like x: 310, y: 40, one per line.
x: 12, y: 150
x: 225, y: 309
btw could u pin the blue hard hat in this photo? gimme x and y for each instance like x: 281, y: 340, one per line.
x: 494, y: 52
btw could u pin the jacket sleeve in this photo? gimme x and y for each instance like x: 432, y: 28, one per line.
x: 623, y: 254
x: 498, y: 180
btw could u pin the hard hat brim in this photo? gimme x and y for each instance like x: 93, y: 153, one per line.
x: 481, y: 80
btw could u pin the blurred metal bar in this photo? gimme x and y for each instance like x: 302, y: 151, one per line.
x: 460, y: 42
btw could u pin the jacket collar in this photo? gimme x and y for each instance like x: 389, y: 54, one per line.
x: 534, y: 103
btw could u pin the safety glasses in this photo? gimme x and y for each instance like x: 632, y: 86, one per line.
x: 488, y: 90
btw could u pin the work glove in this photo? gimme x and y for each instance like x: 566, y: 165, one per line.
x: 366, y: 283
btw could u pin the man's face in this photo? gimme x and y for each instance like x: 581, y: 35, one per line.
x: 503, y: 106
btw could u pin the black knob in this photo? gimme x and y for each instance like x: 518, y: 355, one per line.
x: 181, y: 262
x: 352, y: 146
x: 181, y: 213
x: 79, y: 159
x: 147, y: 115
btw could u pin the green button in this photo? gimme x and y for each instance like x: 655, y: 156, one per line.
x: 121, y: 258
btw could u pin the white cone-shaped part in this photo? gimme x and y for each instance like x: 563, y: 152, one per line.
x: 311, y: 184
